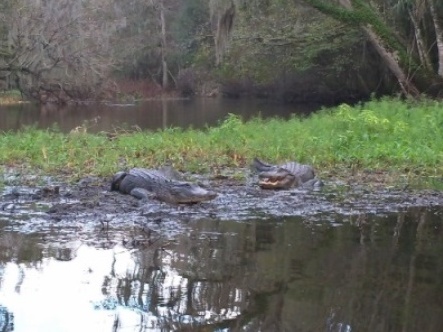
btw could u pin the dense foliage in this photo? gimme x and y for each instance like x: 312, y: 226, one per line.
x: 294, y: 50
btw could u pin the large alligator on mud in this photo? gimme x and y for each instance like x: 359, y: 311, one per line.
x: 142, y: 183
x: 285, y: 176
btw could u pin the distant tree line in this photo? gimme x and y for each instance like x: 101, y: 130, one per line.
x: 63, y: 50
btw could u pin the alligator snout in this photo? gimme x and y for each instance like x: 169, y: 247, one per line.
x: 285, y: 176
x: 277, y: 180
x: 191, y: 193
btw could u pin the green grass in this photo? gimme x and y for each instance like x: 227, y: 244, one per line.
x: 10, y: 97
x: 387, y: 134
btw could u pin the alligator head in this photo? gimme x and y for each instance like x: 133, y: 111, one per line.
x: 278, y: 178
x: 183, y: 193
x: 285, y: 176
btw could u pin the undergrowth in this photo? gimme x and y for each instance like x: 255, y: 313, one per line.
x: 10, y: 97
x: 405, y: 136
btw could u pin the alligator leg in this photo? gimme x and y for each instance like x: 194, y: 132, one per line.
x: 140, y: 193
x: 314, y: 183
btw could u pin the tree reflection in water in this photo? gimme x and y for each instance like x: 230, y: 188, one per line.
x: 360, y: 272
x: 197, y: 281
x: 6, y: 320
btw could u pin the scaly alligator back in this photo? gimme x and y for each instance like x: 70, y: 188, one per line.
x: 125, y: 182
x: 139, y: 182
x: 303, y: 172
x: 261, y: 166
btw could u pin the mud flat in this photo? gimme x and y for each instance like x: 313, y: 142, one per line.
x: 74, y: 210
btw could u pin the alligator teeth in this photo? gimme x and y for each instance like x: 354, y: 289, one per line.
x: 269, y: 182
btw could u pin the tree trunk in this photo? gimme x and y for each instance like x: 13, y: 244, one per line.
x: 222, y: 18
x: 390, y: 58
x: 439, y: 36
x: 165, y: 80
x: 391, y: 61
x: 387, y: 52
x: 421, y: 48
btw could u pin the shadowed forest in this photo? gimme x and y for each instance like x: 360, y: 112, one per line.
x: 290, y: 50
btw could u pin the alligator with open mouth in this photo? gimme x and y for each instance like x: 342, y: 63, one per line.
x: 143, y: 183
x: 285, y: 176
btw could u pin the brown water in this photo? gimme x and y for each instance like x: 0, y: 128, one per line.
x: 147, y: 115
x: 361, y: 273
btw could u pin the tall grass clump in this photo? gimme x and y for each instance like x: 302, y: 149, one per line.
x: 52, y: 151
x: 379, y: 134
x: 384, y: 133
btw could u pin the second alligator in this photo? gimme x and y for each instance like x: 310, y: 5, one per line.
x: 285, y: 176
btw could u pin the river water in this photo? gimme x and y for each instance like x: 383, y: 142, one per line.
x: 154, y: 114
x: 367, y: 273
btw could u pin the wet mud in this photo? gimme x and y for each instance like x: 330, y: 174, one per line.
x: 61, y: 209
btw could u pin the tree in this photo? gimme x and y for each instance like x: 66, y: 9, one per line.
x: 437, y: 20
x: 164, y: 45
x: 57, y: 50
x: 149, y: 27
x: 411, y: 68
x: 222, y: 19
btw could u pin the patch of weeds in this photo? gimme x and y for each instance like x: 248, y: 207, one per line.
x: 239, y: 176
x: 426, y: 182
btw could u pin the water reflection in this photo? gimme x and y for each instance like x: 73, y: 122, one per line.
x: 360, y: 273
x: 153, y: 115
x: 6, y: 320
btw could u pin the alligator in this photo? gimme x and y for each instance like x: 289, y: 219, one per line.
x: 285, y: 176
x: 163, y: 184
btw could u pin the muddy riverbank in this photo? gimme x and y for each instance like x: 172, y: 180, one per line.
x: 72, y: 209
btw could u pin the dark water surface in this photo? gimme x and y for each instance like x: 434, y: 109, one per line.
x: 153, y: 114
x: 358, y: 273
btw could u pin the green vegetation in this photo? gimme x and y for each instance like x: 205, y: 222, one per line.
x: 290, y: 43
x: 387, y: 135
x: 325, y: 50
x: 10, y: 97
